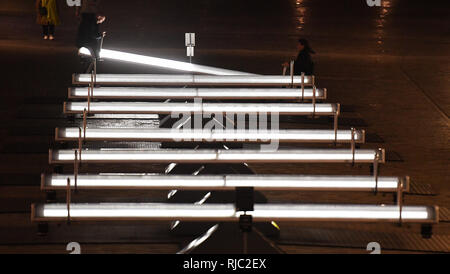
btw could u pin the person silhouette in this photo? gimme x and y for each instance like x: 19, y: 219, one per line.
x: 303, y: 62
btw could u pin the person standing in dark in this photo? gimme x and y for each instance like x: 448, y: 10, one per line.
x: 89, y: 35
x: 47, y: 16
x: 303, y: 62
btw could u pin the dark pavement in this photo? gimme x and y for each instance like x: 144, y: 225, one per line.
x: 388, y: 66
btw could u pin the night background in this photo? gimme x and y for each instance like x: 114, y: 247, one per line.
x: 388, y: 66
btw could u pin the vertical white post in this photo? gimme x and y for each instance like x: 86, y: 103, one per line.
x: 190, y: 44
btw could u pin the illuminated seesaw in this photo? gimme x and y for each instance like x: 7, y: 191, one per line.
x: 322, y: 109
x: 228, y: 212
x: 371, y: 156
x: 191, y: 80
x: 210, y: 135
x: 225, y: 182
x: 149, y: 93
x: 160, y: 62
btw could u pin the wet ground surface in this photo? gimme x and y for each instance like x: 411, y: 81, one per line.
x: 388, y: 66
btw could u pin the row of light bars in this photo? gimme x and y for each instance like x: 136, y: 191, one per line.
x: 160, y: 62
x: 212, y: 212
x: 148, y: 93
x: 218, y: 156
x: 192, y: 80
x: 199, y: 107
x: 212, y: 135
x: 226, y: 182
x: 228, y: 212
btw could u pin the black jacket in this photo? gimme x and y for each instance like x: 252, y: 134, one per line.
x: 303, y: 63
x: 88, y: 33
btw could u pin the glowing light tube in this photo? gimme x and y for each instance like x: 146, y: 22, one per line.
x: 219, y: 156
x: 203, y: 135
x: 190, y: 80
x: 168, y: 108
x: 225, y: 182
x: 227, y: 212
x: 141, y: 93
x: 160, y: 62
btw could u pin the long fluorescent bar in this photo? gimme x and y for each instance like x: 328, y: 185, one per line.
x: 227, y: 212
x: 168, y: 108
x: 160, y: 62
x: 141, y: 93
x: 220, y: 156
x: 202, y: 135
x: 190, y: 80
x: 225, y: 182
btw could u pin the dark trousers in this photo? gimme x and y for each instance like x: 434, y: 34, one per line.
x: 48, y: 29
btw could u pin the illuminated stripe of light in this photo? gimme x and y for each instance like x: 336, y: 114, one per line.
x: 189, y: 93
x: 160, y: 62
x: 225, y: 156
x: 161, y: 134
x: 189, y: 80
x: 227, y: 212
x: 161, y: 107
x: 262, y: 182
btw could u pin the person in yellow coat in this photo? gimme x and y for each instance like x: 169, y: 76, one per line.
x: 48, y: 17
